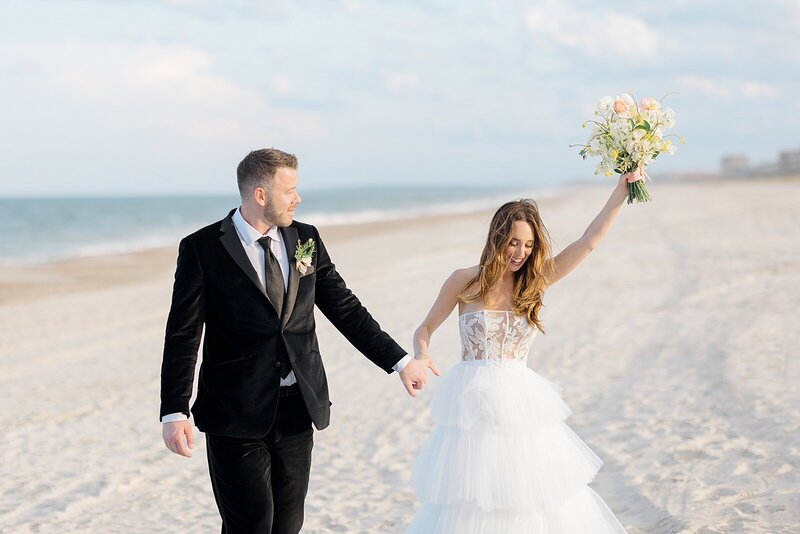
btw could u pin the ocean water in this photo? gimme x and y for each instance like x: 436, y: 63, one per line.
x: 40, y: 230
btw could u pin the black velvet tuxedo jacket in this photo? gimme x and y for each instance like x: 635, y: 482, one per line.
x: 217, y: 287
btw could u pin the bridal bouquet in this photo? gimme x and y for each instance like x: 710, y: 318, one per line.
x: 628, y: 137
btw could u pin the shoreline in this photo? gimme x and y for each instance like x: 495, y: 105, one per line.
x: 25, y: 282
x: 32, y: 281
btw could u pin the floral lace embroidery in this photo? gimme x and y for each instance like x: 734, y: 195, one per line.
x: 495, y: 335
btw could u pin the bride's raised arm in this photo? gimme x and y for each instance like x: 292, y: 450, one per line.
x: 576, y: 252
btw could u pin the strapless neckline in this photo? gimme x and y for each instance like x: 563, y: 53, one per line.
x: 488, y: 310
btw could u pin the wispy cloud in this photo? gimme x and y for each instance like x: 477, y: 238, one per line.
x: 758, y: 89
x: 704, y: 85
x: 283, y: 86
x: 400, y: 81
x: 729, y: 88
x: 597, y: 33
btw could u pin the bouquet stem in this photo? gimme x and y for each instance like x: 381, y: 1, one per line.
x: 638, y: 191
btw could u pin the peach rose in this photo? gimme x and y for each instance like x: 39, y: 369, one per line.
x: 620, y: 106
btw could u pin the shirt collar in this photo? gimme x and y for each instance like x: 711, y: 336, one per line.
x: 250, y: 235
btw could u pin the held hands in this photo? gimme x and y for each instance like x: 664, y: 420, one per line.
x: 174, y: 433
x: 414, y: 375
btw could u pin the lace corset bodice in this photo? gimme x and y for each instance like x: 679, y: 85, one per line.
x: 495, y: 335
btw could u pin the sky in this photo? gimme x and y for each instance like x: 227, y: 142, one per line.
x: 113, y: 97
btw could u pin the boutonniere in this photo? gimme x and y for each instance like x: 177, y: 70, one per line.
x: 303, y: 255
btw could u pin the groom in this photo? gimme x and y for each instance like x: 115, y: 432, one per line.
x: 261, y: 383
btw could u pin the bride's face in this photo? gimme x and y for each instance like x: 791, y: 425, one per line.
x: 521, y: 245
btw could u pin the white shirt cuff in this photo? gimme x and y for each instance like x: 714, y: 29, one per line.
x: 172, y: 417
x: 399, y: 366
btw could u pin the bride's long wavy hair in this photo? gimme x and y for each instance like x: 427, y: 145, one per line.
x: 531, y: 280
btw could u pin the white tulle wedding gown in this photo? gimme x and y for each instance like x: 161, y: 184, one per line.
x: 501, y: 460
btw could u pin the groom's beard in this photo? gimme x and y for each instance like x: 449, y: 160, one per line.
x: 280, y: 220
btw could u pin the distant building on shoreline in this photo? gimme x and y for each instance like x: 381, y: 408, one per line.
x: 790, y: 161
x: 738, y: 165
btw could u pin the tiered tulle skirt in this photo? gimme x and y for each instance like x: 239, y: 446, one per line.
x: 501, y: 460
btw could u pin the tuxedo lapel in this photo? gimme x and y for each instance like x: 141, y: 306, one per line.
x: 289, y: 235
x: 230, y: 240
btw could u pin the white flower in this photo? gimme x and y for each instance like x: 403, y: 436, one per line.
x: 303, y: 264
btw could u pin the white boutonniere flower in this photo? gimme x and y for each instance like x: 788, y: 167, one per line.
x: 303, y: 255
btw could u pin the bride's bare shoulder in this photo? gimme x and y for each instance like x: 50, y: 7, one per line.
x: 465, y: 275
x: 462, y: 278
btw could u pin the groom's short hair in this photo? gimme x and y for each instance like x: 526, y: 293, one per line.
x: 258, y: 168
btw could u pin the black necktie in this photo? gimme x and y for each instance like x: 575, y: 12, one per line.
x: 274, y: 276
x: 275, y: 291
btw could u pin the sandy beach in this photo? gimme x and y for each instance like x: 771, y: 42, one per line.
x: 676, y: 343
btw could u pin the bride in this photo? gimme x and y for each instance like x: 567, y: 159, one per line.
x: 501, y: 460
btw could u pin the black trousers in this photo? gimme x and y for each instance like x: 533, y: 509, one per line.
x: 260, y: 485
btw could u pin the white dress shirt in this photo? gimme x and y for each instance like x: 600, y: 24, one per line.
x: 249, y: 237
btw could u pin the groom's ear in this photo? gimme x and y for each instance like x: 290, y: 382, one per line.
x: 260, y: 195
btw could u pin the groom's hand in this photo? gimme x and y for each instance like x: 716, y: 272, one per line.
x: 174, y: 433
x: 413, y: 376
